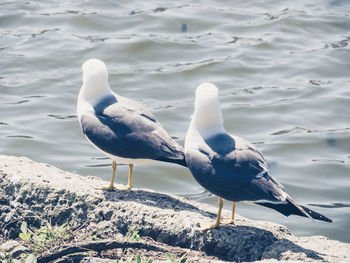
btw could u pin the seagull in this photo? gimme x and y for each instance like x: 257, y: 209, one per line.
x: 229, y: 166
x: 119, y: 127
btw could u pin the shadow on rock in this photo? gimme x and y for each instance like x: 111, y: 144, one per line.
x: 153, y: 199
x: 237, y: 243
x: 284, y: 249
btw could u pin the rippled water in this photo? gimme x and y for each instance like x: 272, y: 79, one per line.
x: 282, y: 69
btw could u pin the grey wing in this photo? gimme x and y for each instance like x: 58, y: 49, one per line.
x: 127, y: 130
x: 250, y: 159
x: 240, y: 169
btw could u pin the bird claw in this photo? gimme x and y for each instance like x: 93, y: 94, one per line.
x: 228, y: 222
x: 126, y: 187
x: 113, y: 188
x: 107, y: 188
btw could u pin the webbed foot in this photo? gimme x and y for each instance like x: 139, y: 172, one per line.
x: 228, y: 222
x: 126, y: 187
x: 202, y: 229
x: 107, y: 188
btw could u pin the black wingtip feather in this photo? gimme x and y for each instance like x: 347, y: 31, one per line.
x: 316, y: 215
x: 290, y: 208
x: 179, y: 161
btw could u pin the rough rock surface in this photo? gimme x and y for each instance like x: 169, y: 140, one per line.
x: 30, y: 190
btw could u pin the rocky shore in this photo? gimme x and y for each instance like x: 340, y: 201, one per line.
x: 100, y: 223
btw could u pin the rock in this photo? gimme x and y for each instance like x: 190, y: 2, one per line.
x: 25, y: 194
x: 12, y: 248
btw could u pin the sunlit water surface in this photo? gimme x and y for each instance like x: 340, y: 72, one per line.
x: 283, y: 70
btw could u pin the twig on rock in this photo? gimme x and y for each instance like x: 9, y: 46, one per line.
x: 97, y: 246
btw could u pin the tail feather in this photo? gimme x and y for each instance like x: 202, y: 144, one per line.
x: 291, y: 208
x: 180, y: 160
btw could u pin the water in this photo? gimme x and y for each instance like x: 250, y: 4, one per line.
x: 282, y: 69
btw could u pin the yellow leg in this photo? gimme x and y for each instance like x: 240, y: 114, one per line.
x: 218, y: 218
x: 111, y: 185
x: 129, y: 186
x: 232, y: 220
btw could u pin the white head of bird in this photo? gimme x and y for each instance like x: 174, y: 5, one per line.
x: 95, y: 79
x: 207, y: 116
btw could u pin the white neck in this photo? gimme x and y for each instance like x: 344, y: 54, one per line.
x: 94, y: 91
x: 208, y: 121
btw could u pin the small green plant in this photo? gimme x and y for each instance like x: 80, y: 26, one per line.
x: 173, y: 260
x: 25, y: 235
x: 45, y: 237
x: 132, y: 234
x: 94, y: 238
